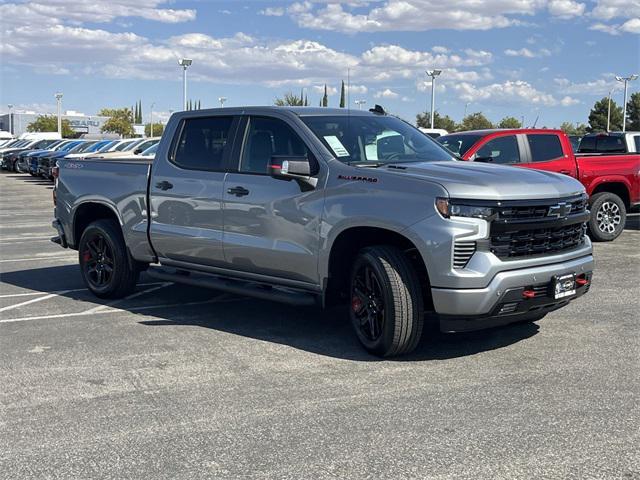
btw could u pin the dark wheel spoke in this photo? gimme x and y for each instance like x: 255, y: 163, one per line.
x: 367, y: 306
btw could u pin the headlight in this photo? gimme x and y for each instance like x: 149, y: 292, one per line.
x: 457, y: 208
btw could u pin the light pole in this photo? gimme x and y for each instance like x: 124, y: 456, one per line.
x: 466, y: 105
x: 59, y: 104
x: 222, y: 100
x: 10, y: 118
x: 151, y: 119
x: 609, y: 109
x: 184, y: 63
x: 630, y: 78
x: 360, y: 103
x: 433, y: 74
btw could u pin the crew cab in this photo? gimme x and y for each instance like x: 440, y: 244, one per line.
x: 612, y: 181
x: 319, y: 206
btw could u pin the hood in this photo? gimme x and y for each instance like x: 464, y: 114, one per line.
x: 483, y: 181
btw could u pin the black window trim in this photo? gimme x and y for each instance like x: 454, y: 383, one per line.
x: 228, y: 154
x: 521, y: 153
x: 530, y: 159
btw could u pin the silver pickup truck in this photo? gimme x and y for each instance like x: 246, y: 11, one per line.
x: 329, y: 206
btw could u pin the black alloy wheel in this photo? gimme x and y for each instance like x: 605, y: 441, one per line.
x: 367, y: 302
x: 98, y: 261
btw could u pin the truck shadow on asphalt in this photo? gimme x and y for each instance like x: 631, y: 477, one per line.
x: 32, y: 180
x: 321, y: 332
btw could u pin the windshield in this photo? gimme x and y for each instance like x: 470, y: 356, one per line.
x: 133, y: 145
x: 374, y: 140
x: 151, y: 151
x: 85, y: 147
x: 459, y: 144
x: 122, y: 146
x: 107, y: 146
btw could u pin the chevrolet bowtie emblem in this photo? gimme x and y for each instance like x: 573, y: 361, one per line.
x: 560, y: 210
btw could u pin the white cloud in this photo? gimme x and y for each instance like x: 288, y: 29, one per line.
x: 568, y: 101
x: 272, y: 12
x: 506, y: 93
x: 601, y: 86
x: 527, y: 53
x: 39, y: 12
x: 386, y: 93
x: 610, y: 9
x: 566, y: 8
x: 330, y: 90
x: 361, y: 89
x: 631, y: 26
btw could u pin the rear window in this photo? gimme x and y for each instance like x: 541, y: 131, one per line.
x: 203, y: 143
x: 459, y: 144
x: 610, y: 144
x: 544, y: 147
x: 636, y: 139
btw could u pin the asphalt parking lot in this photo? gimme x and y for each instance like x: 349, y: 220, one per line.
x: 178, y: 382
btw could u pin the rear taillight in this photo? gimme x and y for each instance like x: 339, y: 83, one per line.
x: 55, y: 171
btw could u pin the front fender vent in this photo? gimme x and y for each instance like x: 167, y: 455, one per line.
x: 462, y: 253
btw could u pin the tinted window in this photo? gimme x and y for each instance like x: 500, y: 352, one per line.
x: 610, y: 144
x: 544, y: 147
x: 203, y: 143
x: 375, y: 138
x: 502, y: 150
x: 587, y: 145
x: 268, y: 137
x: 636, y: 139
x: 459, y: 144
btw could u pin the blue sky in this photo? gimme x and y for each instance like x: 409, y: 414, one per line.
x: 546, y: 58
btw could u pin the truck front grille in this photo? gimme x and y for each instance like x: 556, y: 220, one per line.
x: 462, y: 253
x: 526, y: 230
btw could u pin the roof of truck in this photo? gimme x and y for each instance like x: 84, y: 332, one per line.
x: 490, y: 131
x: 300, y: 111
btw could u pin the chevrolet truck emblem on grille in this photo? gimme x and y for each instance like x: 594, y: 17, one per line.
x: 560, y: 210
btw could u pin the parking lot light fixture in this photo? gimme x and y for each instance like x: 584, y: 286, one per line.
x: 360, y: 103
x: 184, y: 63
x: 10, y: 118
x: 58, y: 96
x: 433, y: 74
x: 625, y: 80
x: 222, y: 100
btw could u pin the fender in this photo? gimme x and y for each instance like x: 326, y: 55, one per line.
x: 597, y: 181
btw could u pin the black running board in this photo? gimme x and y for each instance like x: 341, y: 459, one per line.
x: 238, y: 287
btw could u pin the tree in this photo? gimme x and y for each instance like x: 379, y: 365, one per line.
x: 49, y: 123
x: 475, y: 121
x: 633, y: 112
x: 325, y: 98
x: 289, y: 100
x: 120, y: 121
x: 139, y: 120
x: 509, y: 122
x: 342, y: 100
x: 306, y: 101
x: 423, y: 120
x: 598, y: 116
x: 158, y: 129
x: 573, y: 129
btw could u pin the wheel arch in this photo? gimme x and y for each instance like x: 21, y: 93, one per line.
x: 346, y: 245
x: 618, y: 186
x: 88, y: 212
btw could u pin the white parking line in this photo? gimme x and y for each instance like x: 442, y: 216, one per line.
x: 31, y: 259
x: 57, y: 292
x: 99, y: 308
x: 25, y: 237
x: 113, y: 310
x: 34, y: 300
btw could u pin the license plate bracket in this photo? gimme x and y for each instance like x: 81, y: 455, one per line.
x: 564, y: 286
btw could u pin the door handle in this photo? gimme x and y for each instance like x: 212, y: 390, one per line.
x: 164, y: 185
x: 238, y: 191
x: 566, y: 172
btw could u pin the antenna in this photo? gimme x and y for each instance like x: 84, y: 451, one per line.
x: 534, y: 123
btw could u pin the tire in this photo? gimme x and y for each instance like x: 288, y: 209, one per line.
x: 386, y: 311
x: 107, y: 269
x: 608, y: 216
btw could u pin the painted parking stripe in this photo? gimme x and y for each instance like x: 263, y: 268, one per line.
x: 33, y: 300
x: 57, y: 292
x: 99, y: 308
x: 68, y: 257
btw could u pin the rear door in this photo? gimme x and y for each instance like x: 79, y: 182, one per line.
x: 186, y: 192
x: 271, y: 226
x: 546, y: 152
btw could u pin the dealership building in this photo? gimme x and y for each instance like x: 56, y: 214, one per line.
x: 79, y: 122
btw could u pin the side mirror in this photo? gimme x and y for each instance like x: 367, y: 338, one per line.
x: 137, y: 151
x: 299, y: 168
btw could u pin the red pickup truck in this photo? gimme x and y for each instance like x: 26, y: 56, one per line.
x: 612, y: 181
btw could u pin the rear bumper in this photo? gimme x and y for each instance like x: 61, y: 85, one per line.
x: 502, y: 301
x: 61, y: 239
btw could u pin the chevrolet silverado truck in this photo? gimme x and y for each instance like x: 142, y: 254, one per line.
x: 319, y: 206
x: 612, y: 181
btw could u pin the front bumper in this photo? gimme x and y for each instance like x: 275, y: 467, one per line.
x: 481, y: 305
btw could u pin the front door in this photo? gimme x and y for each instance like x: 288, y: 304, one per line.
x: 186, y: 192
x: 271, y: 226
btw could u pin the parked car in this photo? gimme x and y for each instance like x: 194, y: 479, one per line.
x: 150, y: 152
x: 34, y: 157
x: 24, y: 157
x: 612, y: 181
x: 10, y: 156
x: 434, y: 132
x: 609, y: 143
x: 48, y: 161
x: 284, y: 204
x: 90, y: 148
x: 133, y: 148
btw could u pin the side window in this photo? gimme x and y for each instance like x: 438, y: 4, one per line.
x: 502, y: 150
x: 203, y: 143
x: 636, y: 139
x: 268, y: 137
x: 544, y: 147
x: 611, y: 144
x: 587, y: 145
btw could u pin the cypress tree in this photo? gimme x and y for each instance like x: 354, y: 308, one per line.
x: 342, y: 95
x: 306, y: 101
x: 325, y: 98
